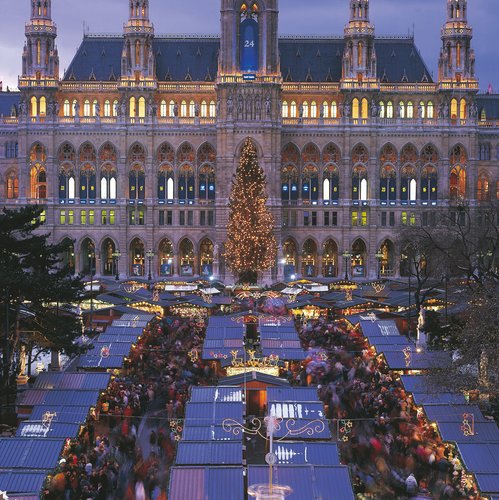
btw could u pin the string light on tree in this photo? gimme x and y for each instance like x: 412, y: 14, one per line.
x: 251, y: 247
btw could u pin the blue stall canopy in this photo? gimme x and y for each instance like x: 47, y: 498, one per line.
x: 319, y: 429
x: 200, y: 483
x: 209, y: 453
x: 209, y: 433
x: 72, y: 380
x: 114, y: 349
x: 283, y: 335
x: 303, y: 410
x: 444, y: 398
x: 25, y: 482
x: 425, y: 360
x: 452, y: 413
x: 276, y: 394
x: 307, y: 482
x: 488, y: 483
x: 58, y: 397
x: 480, y: 457
x: 206, y: 414
x: 109, y: 337
x: 99, y: 363
x: 379, y: 328
x: 37, y: 429
x: 218, y: 394
x: 485, y: 432
x: 142, y: 323
x: 62, y: 414
x: 142, y: 316
x: 29, y: 453
x: 298, y: 453
x: 117, y: 331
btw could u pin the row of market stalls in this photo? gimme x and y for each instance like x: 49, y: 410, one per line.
x: 222, y: 449
x: 473, y: 437
x: 56, y: 407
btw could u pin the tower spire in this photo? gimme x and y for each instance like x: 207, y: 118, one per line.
x: 359, y: 58
x: 457, y: 58
x: 40, y: 56
x: 137, y: 60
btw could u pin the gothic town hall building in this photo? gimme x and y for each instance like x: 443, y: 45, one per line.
x: 133, y: 150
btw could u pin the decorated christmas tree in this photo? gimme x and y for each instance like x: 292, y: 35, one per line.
x: 251, y: 246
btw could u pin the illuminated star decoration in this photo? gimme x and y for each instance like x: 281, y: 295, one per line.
x: 407, y: 356
x: 193, y: 355
x: 3, y: 495
x: 344, y: 430
x: 468, y: 424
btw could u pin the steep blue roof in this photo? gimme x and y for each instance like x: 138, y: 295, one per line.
x: 489, y: 103
x: 196, y: 58
x: 8, y: 102
x: 22, y: 482
x: 26, y: 454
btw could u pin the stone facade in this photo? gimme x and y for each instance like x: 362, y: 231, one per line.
x: 133, y: 151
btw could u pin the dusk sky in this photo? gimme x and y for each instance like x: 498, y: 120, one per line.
x: 302, y: 17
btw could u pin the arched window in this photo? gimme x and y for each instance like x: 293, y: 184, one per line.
x: 310, y: 185
x: 430, y: 110
x: 142, y: 107
x: 331, y: 185
x: 166, y: 257
x: 67, y: 182
x: 360, y: 49
x: 192, y: 109
x: 115, y: 108
x: 186, y: 257
x: 94, y: 107
x: 12, y: 185
x: 206, y: 160
x: 34, y: 106
x: 186, y: 185
x: 389, y: 109
x: 213, y: 109
x: 334, y: 110
x: 429, y: 183
x: 66, y: 109
x: 382, y: 110
x: 43, y: 106
x: 73, y: 108
x: 108, y: 173
x: 313, y: 110
x: 183, y: 109
x: 290, y: 160
x: 171, y: 109
x: 86, y: 108
x: 305, y: 110
x: 365, y: 108
x: 293, y: 109
x: 330, y: 259
x: 408, y: 186
x: 388, y: 185
x: 133, y: 107
x: 285, y: 109
x: 402, y: 109
x: 290, y: 258
x: 204, y: 109
x: 462, y: 109
x: 483, y: 187
x: 422, y: 110
x: 359, y: 184
x: 87, y: 184
x: 163, y: 109
x: 410, y: 110
x: 325, y: 109
x: 355, y: 108
x: 457, y: 184
x: 107, y: 108
x: 453, y: 109
x: 137, y: 183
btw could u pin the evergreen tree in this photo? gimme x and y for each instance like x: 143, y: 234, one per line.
x: 251, y: 246
x: 32, y: 277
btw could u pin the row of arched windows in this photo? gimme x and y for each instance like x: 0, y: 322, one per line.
x: 82, y: 173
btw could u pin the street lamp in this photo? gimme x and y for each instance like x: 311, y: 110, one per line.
x: 346, y: 255
x: 91, y: 262
x: 150, y: 255
x: 116, y: 256
x: 379, y: 257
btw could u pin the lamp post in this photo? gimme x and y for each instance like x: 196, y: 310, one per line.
x: 346, y: 255
x: 409, y: 307
x: 116, y: 256
x: 150, y: 255
x: 91, y: 262
x: 379, y: 258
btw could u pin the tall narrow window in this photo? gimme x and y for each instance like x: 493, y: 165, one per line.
x: 142, y: 107
x: 204, y: 109
x: 183, y: 109
x: 192, y: 109
x: 107, y: 108
x: 355, y: 108
x: 43, y: 106
x: 410, y: 110
x: 401, y: 109
x: 365, y: 108
x: 285, y: 109
x: 421, y: 110
x: 171, y: 109
x: 313, y: 110
x: 389, y: 109
x: 293, y: 109
x: 66, y: 108
x: 133, y: 107
x: 163, y: 109
x: 429, y: 110
x: 453, y: 109
x: 325, y: 109
x: 213, y: 109
x: 86, y: 108
x: 462, y: 109
x: 382, y: 110
x: 458, y: 55
x: 360, y: 50
x: 38, y: 52
x: 334, y: 110
x: 304, y: 107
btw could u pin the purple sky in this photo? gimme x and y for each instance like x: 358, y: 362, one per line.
x: 305, y: 17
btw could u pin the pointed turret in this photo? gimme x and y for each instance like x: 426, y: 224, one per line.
x: 359, y: 58
x: 457, y: 58
x: 137, y: 59
x: 40, y: 56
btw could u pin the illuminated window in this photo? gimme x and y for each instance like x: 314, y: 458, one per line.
x: 83, y: 217
x: 421, y: 110
x: 12, y: 186
x: 86, y: 108
x: 483, y: 187
x: 410, y: 110
x: 453, y: 109
x: 204, y: 109
x: 71, y: 217
x: 66, y: 108
x: 360, y: 50
x: 457, y: 184
x: 112, y: 217
x: 285, y: 109
x: 38, y: 52
x: 382, y: 110
x: 91, y: 217
x: 192, y: 109
x: 107, y: 108
x: 365, y: 108
x: 132, y: 107
x: 355, y: 108
x: 171, y: 109
x: 94, y: 108
x: 183, y: 109
x: 213, y: 109
x: 429, y: 110
x: 62, y: 217
x: 293, y: 109
x: 73, y: 107
x: 115, y: 108
x: 43, y: 106
x: 389, y: 109
x: 163, y: 109
x: 313, y: 110
x: 402, y: 109
x: 462, y: 109
x: 458, y: 54
x: 142, y: 107
x: 334, y: 110
x: 304, y: 107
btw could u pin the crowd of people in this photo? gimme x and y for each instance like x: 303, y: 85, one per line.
x: 126, y: 451
x: 392, y: 451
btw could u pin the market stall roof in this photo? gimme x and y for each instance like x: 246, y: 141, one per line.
x: 379, y: 328
x: 216, y: 394
x: 115, y: 348
x: 206, y: 414
x: 22, y: 482
x: 488, y: 483
x: 122, y: 338
x: 300, y: 453
x: 213, y: 483
x: 33, y: 397
x: 292, y: 394
x: 209, y: 453
x: 487, y: 432
x: 65, y: 414
x: 36, y: 429
x: 99, y: 363
x: 354, y: 319
x: 137, y: 317
x: 442, y: 398
x: 452, y: 413
x: 124, y: 330
x: 425, y: 360
x: 72, y: 380
x: 29, y: 453
x: 130, y: 324
x: 209, y: 433
x: 480, y: 457
x: 308, y: 482
x: 251, y: 376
